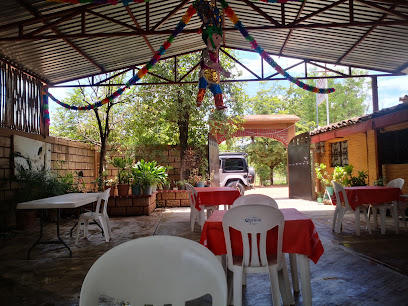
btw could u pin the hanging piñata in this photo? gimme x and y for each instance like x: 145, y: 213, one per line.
x: 210, y: 63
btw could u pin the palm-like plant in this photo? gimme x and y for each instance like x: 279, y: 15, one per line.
x: 122, y: 164
x: 149, y: 173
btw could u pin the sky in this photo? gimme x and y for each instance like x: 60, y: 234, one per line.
x: 390, y: 89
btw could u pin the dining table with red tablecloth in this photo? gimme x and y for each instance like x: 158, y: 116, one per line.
x: 299, y: 238
x: 215, y: 196
x: 364, y: 195
x: 359, y: 195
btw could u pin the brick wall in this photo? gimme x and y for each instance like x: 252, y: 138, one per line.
x: 69, y: 156
x: 172, y: 198
x: 362, y: 155
x: 132, y: 205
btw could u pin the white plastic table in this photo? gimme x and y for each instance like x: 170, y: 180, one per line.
x: 69, y: 200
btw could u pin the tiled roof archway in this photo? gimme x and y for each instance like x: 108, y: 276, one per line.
x: 278, y: 127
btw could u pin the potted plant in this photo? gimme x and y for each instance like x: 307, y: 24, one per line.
x: 324, y: 177
x: 136, y: 181
x: 124, y: 176
x: 149, y: 175
x: 319, y: 197
x: 195, y: 178
x: 111, y: 183
x: 352, y: 180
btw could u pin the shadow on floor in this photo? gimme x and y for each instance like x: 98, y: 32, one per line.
x: 365, y: 270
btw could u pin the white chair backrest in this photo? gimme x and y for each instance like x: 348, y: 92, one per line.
x: 340, y: 189
x: 156, y: 270
x: 255, y: 199
x: 396, y: 183
x: 192, y: 194
x: 105, y: 197
x: 252, y: 220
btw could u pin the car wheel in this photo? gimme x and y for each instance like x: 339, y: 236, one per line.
x: 238, y: 186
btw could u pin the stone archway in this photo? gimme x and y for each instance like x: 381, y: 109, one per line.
x: 278, y: 127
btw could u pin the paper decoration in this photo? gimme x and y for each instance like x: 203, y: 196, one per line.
x: 141, y: 73
x: 254, y: 45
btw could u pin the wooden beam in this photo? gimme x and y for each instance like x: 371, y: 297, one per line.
x: 323, y: 9
x: 35, y: 13
x: 361, y: 39
x: 113, y: 20
x: 383, y: 9
x: 237, y: 61
x: 194, y: 31
x: 54, y: 23
x: 42, y: 18
x: 326, y: 68
x: 291, y: 31
x: 402, y: 67
x: 191, y: 70
x: 138, y: 26
x: 290, y: 67
x: 169, y: 15
x: 260, y: 12
x: 374, y: 89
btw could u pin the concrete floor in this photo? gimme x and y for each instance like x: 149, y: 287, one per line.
x: 365, y: 270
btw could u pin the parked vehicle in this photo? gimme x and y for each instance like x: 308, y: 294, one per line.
x: 235, y: 172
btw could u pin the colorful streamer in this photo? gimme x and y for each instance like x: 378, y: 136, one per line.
x: 142, y: 72
x: 46, y: 107
x: 254, y: 45
x: 114, y: 2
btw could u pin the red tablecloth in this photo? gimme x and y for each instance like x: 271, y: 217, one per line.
x: 369, y: 195
x: 216, y: 196
x: 299, y: 235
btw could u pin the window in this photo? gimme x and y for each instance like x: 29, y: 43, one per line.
x: 393, y: 147
x: 234, y: 164
x: 339, y: 154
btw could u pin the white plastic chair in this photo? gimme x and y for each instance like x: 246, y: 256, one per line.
x: 343, y: 207
x: 195, y: 214
x: 100, y: 214
x: 402, y: 206
x: 266, y: 200
x: 156, y: 270
x: 396, y: 183
x: 253, y: 220
x: 255, y: 199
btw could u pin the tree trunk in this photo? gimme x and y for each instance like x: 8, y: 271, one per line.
x: 271, y: 176
x: 183, y: 124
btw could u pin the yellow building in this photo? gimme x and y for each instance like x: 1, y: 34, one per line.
x: 376, y: 143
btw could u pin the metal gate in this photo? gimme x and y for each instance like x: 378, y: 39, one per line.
x: 300, y: 176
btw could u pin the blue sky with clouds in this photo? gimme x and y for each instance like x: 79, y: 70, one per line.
x: 390, y: 89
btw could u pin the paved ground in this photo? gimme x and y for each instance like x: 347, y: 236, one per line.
x: 365, y: 270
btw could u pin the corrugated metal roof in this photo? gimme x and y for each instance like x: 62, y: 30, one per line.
x: 357, y: 120
x: 374, y: 36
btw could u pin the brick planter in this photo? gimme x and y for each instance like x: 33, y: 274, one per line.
x: 131, y: 205
x: 172, y: 198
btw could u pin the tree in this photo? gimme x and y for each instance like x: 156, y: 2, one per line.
x: 152, y: 114
x: 167, y: 108
x: 347, y: 101
x: 96, y: 126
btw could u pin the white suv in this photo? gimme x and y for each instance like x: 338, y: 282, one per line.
x: 234, y: 171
